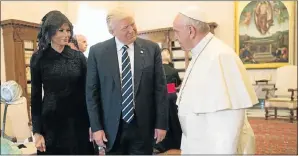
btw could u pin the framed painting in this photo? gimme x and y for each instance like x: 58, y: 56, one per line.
x: 265, y: 33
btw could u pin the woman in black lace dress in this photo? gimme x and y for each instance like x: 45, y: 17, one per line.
x: 59, y: 119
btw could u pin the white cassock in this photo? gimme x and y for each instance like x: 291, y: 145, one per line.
x: 215, y: 92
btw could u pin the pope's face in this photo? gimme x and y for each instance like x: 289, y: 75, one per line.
x: 182, y: 33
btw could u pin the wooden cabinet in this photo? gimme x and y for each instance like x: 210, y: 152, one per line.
x: 20, y: 41
x: 166, y: 39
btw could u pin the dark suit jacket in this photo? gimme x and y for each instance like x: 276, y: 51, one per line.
x: 103, y: 89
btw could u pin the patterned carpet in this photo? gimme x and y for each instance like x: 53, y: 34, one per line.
x: 275, y: 136
x: 272, y: 137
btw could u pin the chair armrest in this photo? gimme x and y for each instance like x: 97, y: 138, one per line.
x: 292, y: 90
x: 261, y: 81
x: 267, y: 90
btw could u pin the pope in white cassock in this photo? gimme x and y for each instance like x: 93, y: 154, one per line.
x: 215, y: 92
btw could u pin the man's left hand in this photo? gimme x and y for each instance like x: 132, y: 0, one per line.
x: 159, y: 135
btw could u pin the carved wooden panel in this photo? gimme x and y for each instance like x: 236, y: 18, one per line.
x: 160, y: 36
x: 166, y: 39
x: 19, y: 40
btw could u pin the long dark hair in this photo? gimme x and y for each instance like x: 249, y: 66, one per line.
x: 50, y: 23
x: 39, y: 35
x: 75, y: 42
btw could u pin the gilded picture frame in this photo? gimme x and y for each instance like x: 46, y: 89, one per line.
x: 265, y: 33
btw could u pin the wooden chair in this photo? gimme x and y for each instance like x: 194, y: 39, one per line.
x: 285, y: 92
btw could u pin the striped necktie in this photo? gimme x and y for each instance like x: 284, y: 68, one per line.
x: 127, y: 87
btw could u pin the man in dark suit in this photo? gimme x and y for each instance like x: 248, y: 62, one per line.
x: 126, y: 90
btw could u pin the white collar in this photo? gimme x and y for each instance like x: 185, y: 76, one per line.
x: 200, y: 45
x: 119, y: 44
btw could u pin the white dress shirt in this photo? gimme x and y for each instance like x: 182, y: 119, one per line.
x: 130, y: 50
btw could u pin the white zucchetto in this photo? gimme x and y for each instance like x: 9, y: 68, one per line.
x: 196, y: 13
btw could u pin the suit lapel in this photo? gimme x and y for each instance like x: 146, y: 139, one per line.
x: 112, y: 58
x: 138, y: 64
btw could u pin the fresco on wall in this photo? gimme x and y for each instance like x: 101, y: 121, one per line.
x: 264, y: 33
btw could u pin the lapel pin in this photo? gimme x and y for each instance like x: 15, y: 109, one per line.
x: 141, y: 52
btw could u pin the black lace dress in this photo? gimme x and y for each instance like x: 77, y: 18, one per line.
x: 61, y: 115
